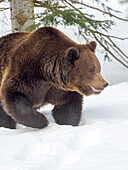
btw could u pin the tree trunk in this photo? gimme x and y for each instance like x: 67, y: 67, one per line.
x: 22, y: 15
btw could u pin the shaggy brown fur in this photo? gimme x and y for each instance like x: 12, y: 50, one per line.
x: 45, y: 67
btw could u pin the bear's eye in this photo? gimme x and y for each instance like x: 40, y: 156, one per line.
x: 92, y: 71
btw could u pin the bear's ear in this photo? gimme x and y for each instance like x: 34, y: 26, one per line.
x: 72, y: 54
x: 92, y: 45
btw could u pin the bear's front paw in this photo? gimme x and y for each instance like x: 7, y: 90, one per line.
x: 40, y: 121
x: 34, y: 120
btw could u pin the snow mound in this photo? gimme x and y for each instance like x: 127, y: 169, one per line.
x: 100, y: 142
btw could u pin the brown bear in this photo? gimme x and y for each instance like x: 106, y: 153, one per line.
x: 43, y: 67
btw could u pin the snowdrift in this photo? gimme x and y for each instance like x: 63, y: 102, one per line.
x: 100, y: 142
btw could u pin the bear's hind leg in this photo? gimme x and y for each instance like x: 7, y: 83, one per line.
x: 70, y: 112
x: 5, y: 120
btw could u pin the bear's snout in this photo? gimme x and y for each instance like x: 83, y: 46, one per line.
x: 105, y: 85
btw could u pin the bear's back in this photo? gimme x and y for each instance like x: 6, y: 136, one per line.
x: 8, y: 44
x: 10, y: 41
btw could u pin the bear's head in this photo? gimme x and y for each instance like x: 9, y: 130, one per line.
x: 81, y: 70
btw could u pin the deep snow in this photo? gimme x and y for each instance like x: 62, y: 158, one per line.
x: 100, y: 142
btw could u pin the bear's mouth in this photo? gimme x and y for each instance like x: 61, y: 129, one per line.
x: 88, y: 90
x: 97, y: 91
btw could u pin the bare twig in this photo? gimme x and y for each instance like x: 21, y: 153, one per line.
x: 108, y: 50
x: 3, y: 21
x: 41, y: 4
x: 107, y: 35
x: 108, y: 13
x: 3, y: 9
x: 85, y: 38
x: 117, y: 47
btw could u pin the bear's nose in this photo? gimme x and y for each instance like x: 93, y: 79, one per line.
x: 105, y: 85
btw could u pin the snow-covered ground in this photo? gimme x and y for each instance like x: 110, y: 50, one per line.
x: 100, y: 142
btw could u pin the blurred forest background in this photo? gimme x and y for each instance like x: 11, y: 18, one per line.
x: 88, y: 20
